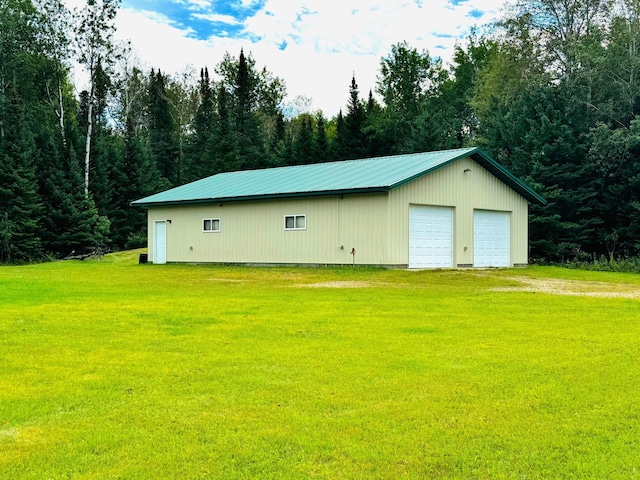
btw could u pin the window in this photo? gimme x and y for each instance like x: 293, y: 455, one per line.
x: 211, y: 225
x: 295, y: 222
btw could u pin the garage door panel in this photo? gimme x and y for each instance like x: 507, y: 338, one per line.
x: 430, y: 237
x: 491, y: 239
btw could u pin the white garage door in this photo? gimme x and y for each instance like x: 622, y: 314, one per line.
x: 430, y: 237
x: 491, y: 239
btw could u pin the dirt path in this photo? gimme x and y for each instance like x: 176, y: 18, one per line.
x: 572, y: 287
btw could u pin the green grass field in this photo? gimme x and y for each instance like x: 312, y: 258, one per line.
x: 114, y: 370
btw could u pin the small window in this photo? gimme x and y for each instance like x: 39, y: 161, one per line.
x: 295, y: 222
x: 211, y: 225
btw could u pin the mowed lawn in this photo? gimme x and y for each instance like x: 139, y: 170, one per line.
x: 114, y: 370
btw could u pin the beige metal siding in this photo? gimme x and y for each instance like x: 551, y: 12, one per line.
x: 376, y: 225
x: 452, y: 187
x: 254, y: 232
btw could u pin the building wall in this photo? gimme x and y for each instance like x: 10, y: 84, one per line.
x: 465, y: 192
x: 375, y: 225
x: 254, y: 232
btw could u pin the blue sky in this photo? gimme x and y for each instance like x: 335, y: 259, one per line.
x: 314, y: 45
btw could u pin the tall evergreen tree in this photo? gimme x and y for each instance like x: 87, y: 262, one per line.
x: 20, y: 206
x: 201, y: 158
x: 374, y: 129
x: 340, y: 145
x: 321, y: 146
x: 279, y: 150
x: 223, y: 145
x: 304, y: 151
x: 250, y: 150
x: 69, y: 224
x: 163, y: 131
x: 356, y: 144
x: 134, y: 177
x: 253, y: 97
x: 105, y: 146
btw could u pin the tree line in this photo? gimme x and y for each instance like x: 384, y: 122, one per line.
x: 551, y: 92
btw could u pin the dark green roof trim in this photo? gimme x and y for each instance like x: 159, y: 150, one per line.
x: 140, y: 203
x: 371, y: 175
x: 507, y: 177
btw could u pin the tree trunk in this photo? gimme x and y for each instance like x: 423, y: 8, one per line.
x: 61, y: 115
x: 87, y: 148
x: 57, y: 105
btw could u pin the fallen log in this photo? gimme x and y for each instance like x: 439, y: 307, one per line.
x: 83, y: 256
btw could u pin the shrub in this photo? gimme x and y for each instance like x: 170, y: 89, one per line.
x: 135, y: 240
x: 604, y: 264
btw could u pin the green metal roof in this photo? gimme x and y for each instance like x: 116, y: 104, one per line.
x: 352, y: 176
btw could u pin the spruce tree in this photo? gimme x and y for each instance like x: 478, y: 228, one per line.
x: 131, y: 181
x: 163, y: 131
x: 223, y: 145
x: 321, y: 146
x: 20, y: 205
x: 340, y: 144
x: 106, y: 148
x: 250, y: 147
x: 200, y: 155
x: 356, y: 144
x: 279, y: 151
x: 304, y: 151
x: 68, y: 226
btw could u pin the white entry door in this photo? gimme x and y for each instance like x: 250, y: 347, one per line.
x: 491, y: 239
x: 430, y: 237
x: 160, y: 242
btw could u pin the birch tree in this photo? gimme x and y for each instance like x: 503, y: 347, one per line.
x: 561, y: 26
x: 96, y: 53
x: 55, y: 37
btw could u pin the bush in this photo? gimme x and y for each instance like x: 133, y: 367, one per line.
x: 135, y: 240
x: 604, y: 264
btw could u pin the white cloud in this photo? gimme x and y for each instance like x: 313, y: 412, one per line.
x: 249, y: 3
x: 214, y: 17
x: 314, y: 46
x: 328, y: 42
x: 157, y: 41
x: 200, y: 3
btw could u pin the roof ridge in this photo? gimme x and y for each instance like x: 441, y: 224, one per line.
x: 351, y: 160
x: 324, y: 178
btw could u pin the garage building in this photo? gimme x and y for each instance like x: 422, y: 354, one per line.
x: 444, y: 209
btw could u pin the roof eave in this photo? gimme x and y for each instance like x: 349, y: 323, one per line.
x: 272, y: 196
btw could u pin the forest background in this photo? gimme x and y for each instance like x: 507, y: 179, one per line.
x: 550, y: 91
